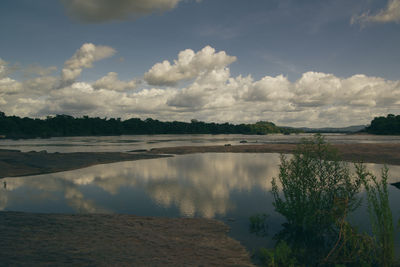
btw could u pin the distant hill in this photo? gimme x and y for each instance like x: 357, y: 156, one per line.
x: 349, y: 129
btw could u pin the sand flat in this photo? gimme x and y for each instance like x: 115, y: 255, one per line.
x: 15, y: 163
x: 29, y: 239
x: 367, y: 153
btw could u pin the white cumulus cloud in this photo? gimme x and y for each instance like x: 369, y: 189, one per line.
x: 111, y: 82
x: 204, y: 90
x: 9, y: 86
x: 268, y: 89
x: 188, y: 65
x: 316, y: 89
x: 84, y: 57
x: 40, y: 84
x: 210, y: 93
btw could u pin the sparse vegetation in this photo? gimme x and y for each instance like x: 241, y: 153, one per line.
x: 281, y: 255
x: 315, y: 192
x: 380, y: 214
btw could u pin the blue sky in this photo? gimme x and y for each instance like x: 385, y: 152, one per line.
x: 300, y: 63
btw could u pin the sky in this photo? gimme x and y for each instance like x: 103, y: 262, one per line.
x: 309, y: 63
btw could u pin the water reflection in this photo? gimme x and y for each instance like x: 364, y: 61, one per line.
x: 136, y: 142
x: 198, y: 185
x: 37, y: 192
x: 205, y: 185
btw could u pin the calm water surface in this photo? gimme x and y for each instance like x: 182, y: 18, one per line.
x: 134, y: 142
x: 225, y: 186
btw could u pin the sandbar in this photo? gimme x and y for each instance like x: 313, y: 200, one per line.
x: 15, y: 163
x: 366, y: 152
x: 29, y: 239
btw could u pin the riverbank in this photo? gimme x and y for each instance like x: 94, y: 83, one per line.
x: 15, y: 163
x: 116, y: 240
x: 367, y: 152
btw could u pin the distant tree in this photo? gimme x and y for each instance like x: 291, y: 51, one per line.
x: 66, y: 125
x: 385, y: 125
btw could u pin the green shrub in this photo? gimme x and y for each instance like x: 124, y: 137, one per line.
x: 281, y: 256
x: 380, y: 214
x: 351, y: 249
x: 317, y: 194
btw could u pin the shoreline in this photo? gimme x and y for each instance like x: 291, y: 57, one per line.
x: 14, y: 163
x: 367, y: 152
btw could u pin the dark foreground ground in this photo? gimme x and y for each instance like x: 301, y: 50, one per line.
x: 115, y: 240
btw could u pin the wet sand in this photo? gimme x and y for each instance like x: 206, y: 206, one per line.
x: 15, y: 163
x: 367, y: 153
x: 115, y: 240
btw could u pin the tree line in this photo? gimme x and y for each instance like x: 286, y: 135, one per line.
x: 389, y: 125
x: 66, y: 125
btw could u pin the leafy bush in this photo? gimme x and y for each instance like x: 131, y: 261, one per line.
x: 317, y: 194
x: 282, y: 255
x: 380, y: 214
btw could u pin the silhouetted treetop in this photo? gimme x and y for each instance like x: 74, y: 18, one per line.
x: 66, y: 125
x: 385, y: 125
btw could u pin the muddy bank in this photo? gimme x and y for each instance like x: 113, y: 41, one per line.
x: 116, y: 240
x: 368, y: 153
x: 16, y: 163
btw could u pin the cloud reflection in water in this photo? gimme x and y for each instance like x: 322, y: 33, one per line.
x: 197, y: 185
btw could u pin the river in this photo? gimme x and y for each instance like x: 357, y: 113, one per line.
x: 224, y: 186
